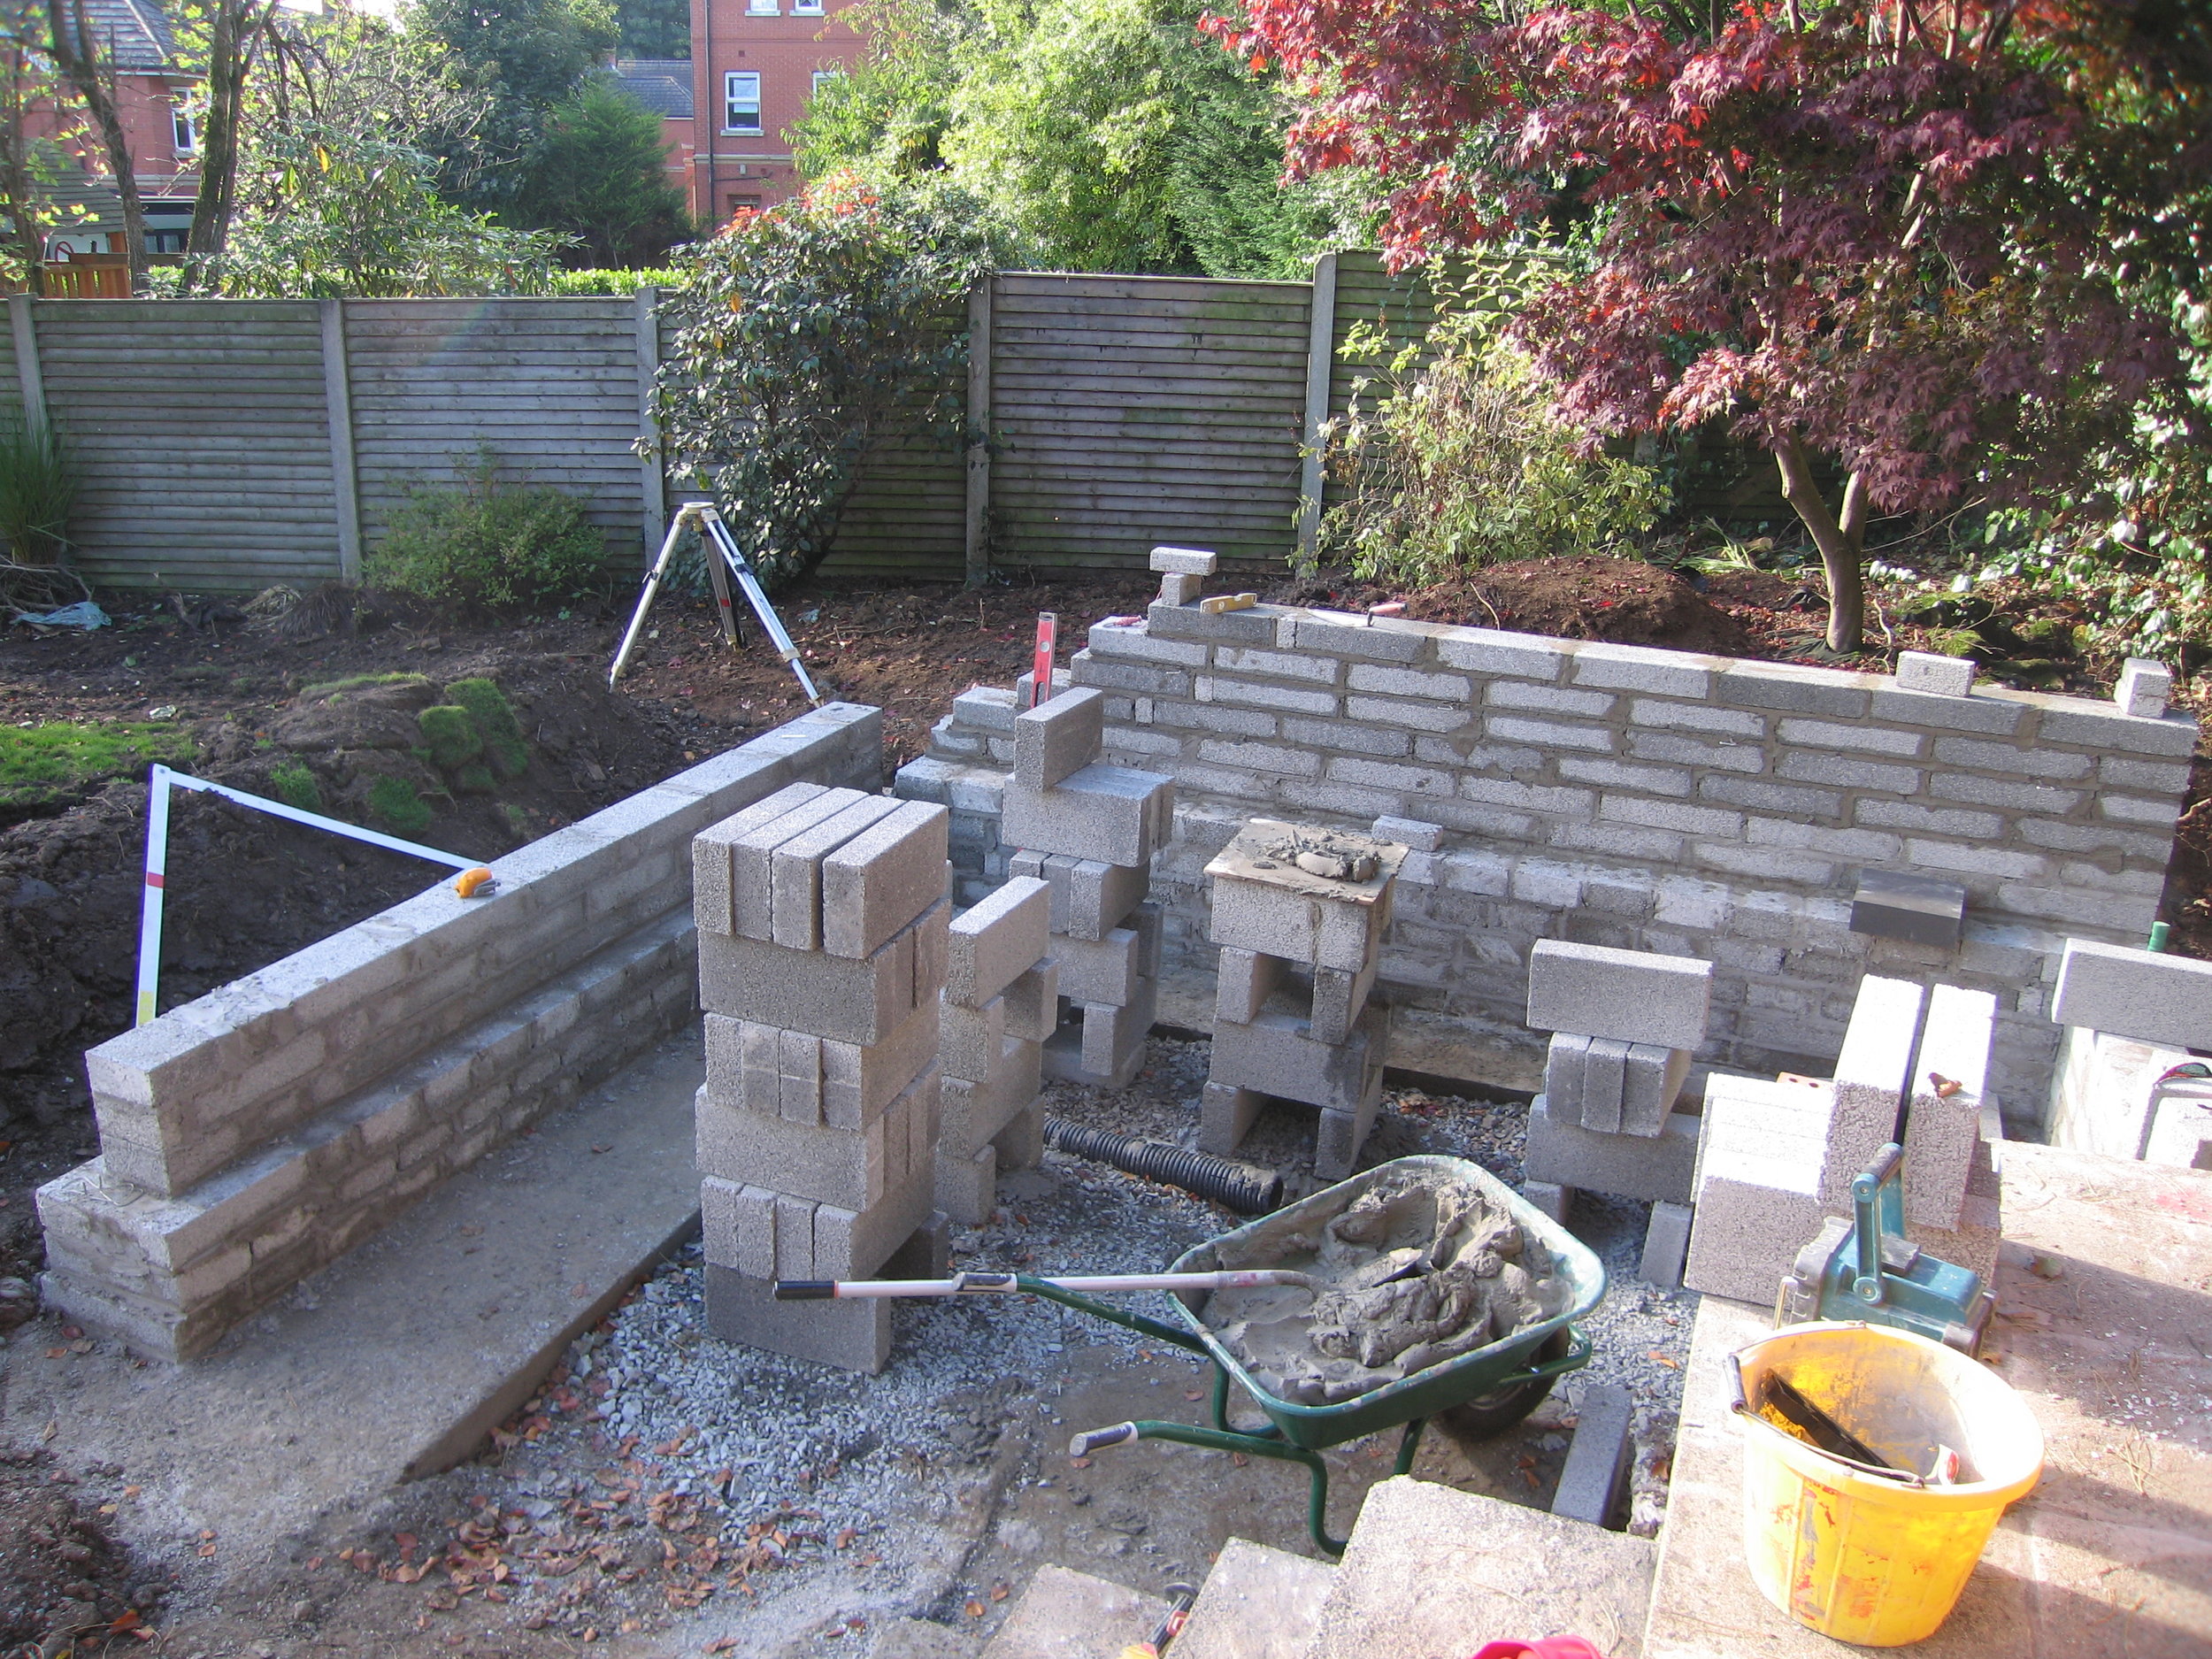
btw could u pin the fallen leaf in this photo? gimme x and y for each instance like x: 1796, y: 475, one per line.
x: 870, y: 1559
x: 1194, y: 1393
x: 845, y: 1538
x: 1000, y: 1592
x: 132, y: 1491
x: 1079, y: 1462
x: 720, y: 1645
x: 975, y: 1609
x: 71, y: 1331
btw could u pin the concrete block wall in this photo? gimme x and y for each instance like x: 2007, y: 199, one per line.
x: 1650, y: 800
x: 259, y: 1132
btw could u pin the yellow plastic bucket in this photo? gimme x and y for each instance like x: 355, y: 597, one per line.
x: 1854, y: 1556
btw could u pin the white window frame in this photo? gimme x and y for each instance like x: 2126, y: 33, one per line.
x: 184, y: 132
x: 730, y: 100
x: 763, y: 9
x: 822, y: 76
x: 806, y: 8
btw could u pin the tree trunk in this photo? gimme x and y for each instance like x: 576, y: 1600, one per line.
x: 1838, y: 536
x: 77, y: 50
x: 234, y: 29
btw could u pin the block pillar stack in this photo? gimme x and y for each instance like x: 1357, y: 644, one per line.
x: 1624, y: 1025
x: 1299, y: 915
x: 1088, y: 831
x: 1000, y: 1002
x: 824, y: 928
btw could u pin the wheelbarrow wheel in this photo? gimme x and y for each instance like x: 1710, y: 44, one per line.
x: 1491, y: 1414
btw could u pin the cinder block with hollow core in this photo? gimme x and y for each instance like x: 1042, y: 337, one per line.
x: 1631, y: 995
x: 1059, y: 737
x: 1002, y: 935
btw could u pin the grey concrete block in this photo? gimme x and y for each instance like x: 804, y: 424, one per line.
x: 860, y: 1081
x: 1593, y: 1482
x: 985, y: 708
x: 1604, y: 1080
x: 853, y: 1335
x: 1892, y: 905
x: 883, y: 878
x: 1338, y: 1135
x: 1063, y: 1062
x: 1943, y: 1123
x: 795, y: 871
x: 1651, y: 1082
x: 1058, y: 738
x: 1255, y: 625
x: 1243, y: 980
x: 1564, y: 1060
x: 1406, y: 832
x: 1225, y: 1115
x: 1633, y: 996
x: 966, y: 1186
x: 851, y: 1168
x: 1184, y: 561
x: 1758, y: 1185
x: 737, y: 1226
x: 972, y: 1111
x: 1105, y: 972
x: 2150, y: 995
x: 1650, y: 1167
x: 1110, y: 813
x: 1871, y: 1078
x: 995, y: 940
x: 711, y: 892
x: 1550, y: 1197
x: 1178, y: 588
x: 861, y: 1001
x: 1666, y: 1246
x: 969, y: 1039
x: 1297, y: 926
x: 1276, y: 1054
x: 1020, y: 1145
x: 1340, y: 996
x: 1099, y: 895
x: 1114, y: 1034
x: 927, y: 1253
x: 2146, y: 685
x: 752, y: 886
x: 1032, y: 1003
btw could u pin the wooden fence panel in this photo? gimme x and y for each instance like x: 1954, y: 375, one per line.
x: 548, y: 387
x: 1131, y: 411
x: 200, y: 432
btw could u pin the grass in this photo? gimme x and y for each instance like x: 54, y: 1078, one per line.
x: 41, y: 764
x: 358, y: 682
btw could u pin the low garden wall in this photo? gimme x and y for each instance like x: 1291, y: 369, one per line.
x: 254, y: 1135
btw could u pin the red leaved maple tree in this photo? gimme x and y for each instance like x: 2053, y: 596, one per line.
x: 1879, y: 232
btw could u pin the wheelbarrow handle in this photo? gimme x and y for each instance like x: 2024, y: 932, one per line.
x: 1089, y: 1440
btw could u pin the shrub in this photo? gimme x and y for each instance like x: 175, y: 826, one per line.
x: 451, y: 735
x: 487, y: 542
x: 395, y: 801
x: 620, y: 284
x: 1460, y: 465
x: 296, y: 787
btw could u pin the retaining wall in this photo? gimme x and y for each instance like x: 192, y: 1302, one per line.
x: 257, y: 1133
x: 1647, y: 799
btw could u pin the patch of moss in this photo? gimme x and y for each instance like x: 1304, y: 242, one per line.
x: 39, y: 763
x: 296, y: 787
x: 474, y: 779
x: 452, y: 736
x: 1955, y: 642
x: 504, y: 749
x: 356, y: 682
x: 395, y: 801
x: 2049, y: 634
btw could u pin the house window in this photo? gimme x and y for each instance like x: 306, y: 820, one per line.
x: 165, y: 241
x: 741, y: 101
x: 806, y: 8
x: 181, y: 131
x: 739, y: 203
x: 823, y: 77
x: 762, y: 8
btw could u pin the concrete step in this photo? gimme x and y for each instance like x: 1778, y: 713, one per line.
x: 1066, y: 1615
x: 1431, y: 1572
x: 1256, y: 1604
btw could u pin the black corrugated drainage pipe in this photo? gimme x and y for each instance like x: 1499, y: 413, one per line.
x: 1248, y: 1190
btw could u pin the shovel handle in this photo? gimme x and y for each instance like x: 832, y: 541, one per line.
x: 1089, y: 1440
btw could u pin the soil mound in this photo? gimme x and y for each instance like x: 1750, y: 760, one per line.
x: 1625, y: 600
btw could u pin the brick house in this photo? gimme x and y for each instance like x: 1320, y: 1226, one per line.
x: 662, y: 85
x: 754, y: 63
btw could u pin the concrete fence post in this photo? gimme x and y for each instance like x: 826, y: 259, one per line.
x: 27, y: 368
x: 976, y: 535
x: 652, y: 481
x: 344, y: 476
x: 1320, y: 356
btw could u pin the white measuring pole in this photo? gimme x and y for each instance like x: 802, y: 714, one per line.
x: 158, y: 785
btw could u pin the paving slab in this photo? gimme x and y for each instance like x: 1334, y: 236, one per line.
x: 1434, y: 1573
x: 397, y: 1360
x: 2113, y: 1553
x: 1256, y: 1604
x: 1066, y: 1615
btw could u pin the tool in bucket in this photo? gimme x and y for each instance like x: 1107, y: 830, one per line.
x: 724, y: 564
x: 1485, y: 1390
x: 1865, y: 1270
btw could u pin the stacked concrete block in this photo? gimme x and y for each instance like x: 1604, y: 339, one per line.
x: 1872, y: 1077
x: 1300, y: 915
x: 2144, y: 687
x: 1758, y: 1183
x: 259, y: 1132
x: 1624, y: 1025
x: 824, y: 942
x: 1000, y: 1002
x: 1943, y: 1111
x: 1183, y: 572
x: 1086, y: 831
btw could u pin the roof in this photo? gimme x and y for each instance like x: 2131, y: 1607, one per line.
x: 136, y: 30
x: 662, y: 85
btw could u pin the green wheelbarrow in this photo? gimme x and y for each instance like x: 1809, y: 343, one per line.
x: 1484, y: 1391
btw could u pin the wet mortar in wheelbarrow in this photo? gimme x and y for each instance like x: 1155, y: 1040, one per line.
x: 1436, y: 1289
